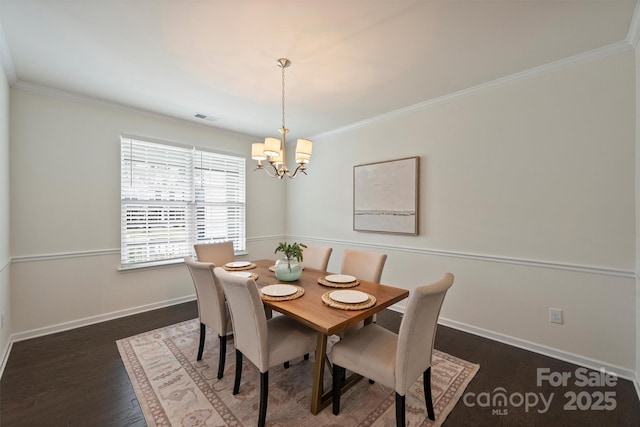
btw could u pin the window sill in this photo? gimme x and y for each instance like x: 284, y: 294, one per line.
x: 154, y: 264
x: 161, y: 264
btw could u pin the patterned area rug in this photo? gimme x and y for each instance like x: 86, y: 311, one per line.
x: 173, y: 389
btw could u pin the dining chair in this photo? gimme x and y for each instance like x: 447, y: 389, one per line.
x: 395, y: 360
x: 218, y: 253
x: 363, y: 265
x: 316, y: 257
x: 212, y: 307
x: 266, y: 343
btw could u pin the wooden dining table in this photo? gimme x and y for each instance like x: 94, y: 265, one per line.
x: 310, y: 310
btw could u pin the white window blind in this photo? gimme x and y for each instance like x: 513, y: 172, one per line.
x: 173, y: 197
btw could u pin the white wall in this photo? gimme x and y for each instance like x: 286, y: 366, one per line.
x: 527, y: 194
x: 5, y: 254
x: 65, y: 206
x: 637, y: 382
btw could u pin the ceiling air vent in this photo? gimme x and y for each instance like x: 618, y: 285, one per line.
x: 204, y: 117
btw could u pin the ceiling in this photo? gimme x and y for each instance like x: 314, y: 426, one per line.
x: 352, y: 60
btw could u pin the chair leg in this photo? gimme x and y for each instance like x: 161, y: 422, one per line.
x: 223, y: 354
x: 426, y: 379
x: 236, y: 384
x: 400, y: 420
x: 286, y: 365
x: 264, y: 394
x: 306, y: 356
x: 326, y: 359
x: 337, y: 376
x: 203, y: 333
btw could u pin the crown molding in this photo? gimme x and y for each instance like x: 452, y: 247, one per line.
x: 633, y: 35
x: 603, y: 52
x: 83, y: 99
x: 99, y: 102
x: 6, y: 60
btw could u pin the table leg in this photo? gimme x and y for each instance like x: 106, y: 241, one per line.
x: 318, y: 374
x: 320, y: 399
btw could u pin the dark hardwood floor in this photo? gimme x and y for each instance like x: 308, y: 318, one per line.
x: 76, y: 378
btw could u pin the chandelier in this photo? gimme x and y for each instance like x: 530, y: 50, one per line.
x: 273, y: 150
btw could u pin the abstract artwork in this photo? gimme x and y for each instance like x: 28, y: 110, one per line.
x: 385, y: 196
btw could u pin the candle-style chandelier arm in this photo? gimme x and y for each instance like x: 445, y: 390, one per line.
x: 273, y: 150
x: 260, y: 166
x: 282, y: 171
x: 301, y: 168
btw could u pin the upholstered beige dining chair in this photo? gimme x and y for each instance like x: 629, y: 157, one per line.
x: 217, y: 253
x: 212, y: 308
x: 395, y: 360
x: 266, y: 343
x: 363, y: 265
x: 316, y: 257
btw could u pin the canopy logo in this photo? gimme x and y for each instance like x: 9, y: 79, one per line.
x: 500, y: 401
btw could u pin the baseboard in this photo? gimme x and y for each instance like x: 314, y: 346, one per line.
x: 494, y: 336
x: 60, y: 327
x: 541, y: 349
x: 5, y: 356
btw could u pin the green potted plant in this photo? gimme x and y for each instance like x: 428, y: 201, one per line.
x: 289, y: 268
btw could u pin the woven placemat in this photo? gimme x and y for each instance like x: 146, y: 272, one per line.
x: 248, y: 267
x: 295, y: 295
x: 345, y: 306
x: 325, y: 282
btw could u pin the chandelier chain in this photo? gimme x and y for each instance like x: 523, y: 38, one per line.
x: 283, y: 127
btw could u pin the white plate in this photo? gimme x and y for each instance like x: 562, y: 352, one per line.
x: 349, y: 296
x: 242, y: 273
x: 340, y: 278
x: 279, y: 290
x: 237, y: 264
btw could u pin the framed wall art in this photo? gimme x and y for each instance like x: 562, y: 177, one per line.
x: 385, y: 196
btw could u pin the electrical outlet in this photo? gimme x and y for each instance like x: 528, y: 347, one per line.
x: 555, y: 315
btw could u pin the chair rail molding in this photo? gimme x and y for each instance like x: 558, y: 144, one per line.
x: 64, y: 255
x: 605, y: 271
x: 103, y: 252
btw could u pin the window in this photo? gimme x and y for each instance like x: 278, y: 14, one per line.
x: 173, y: 197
